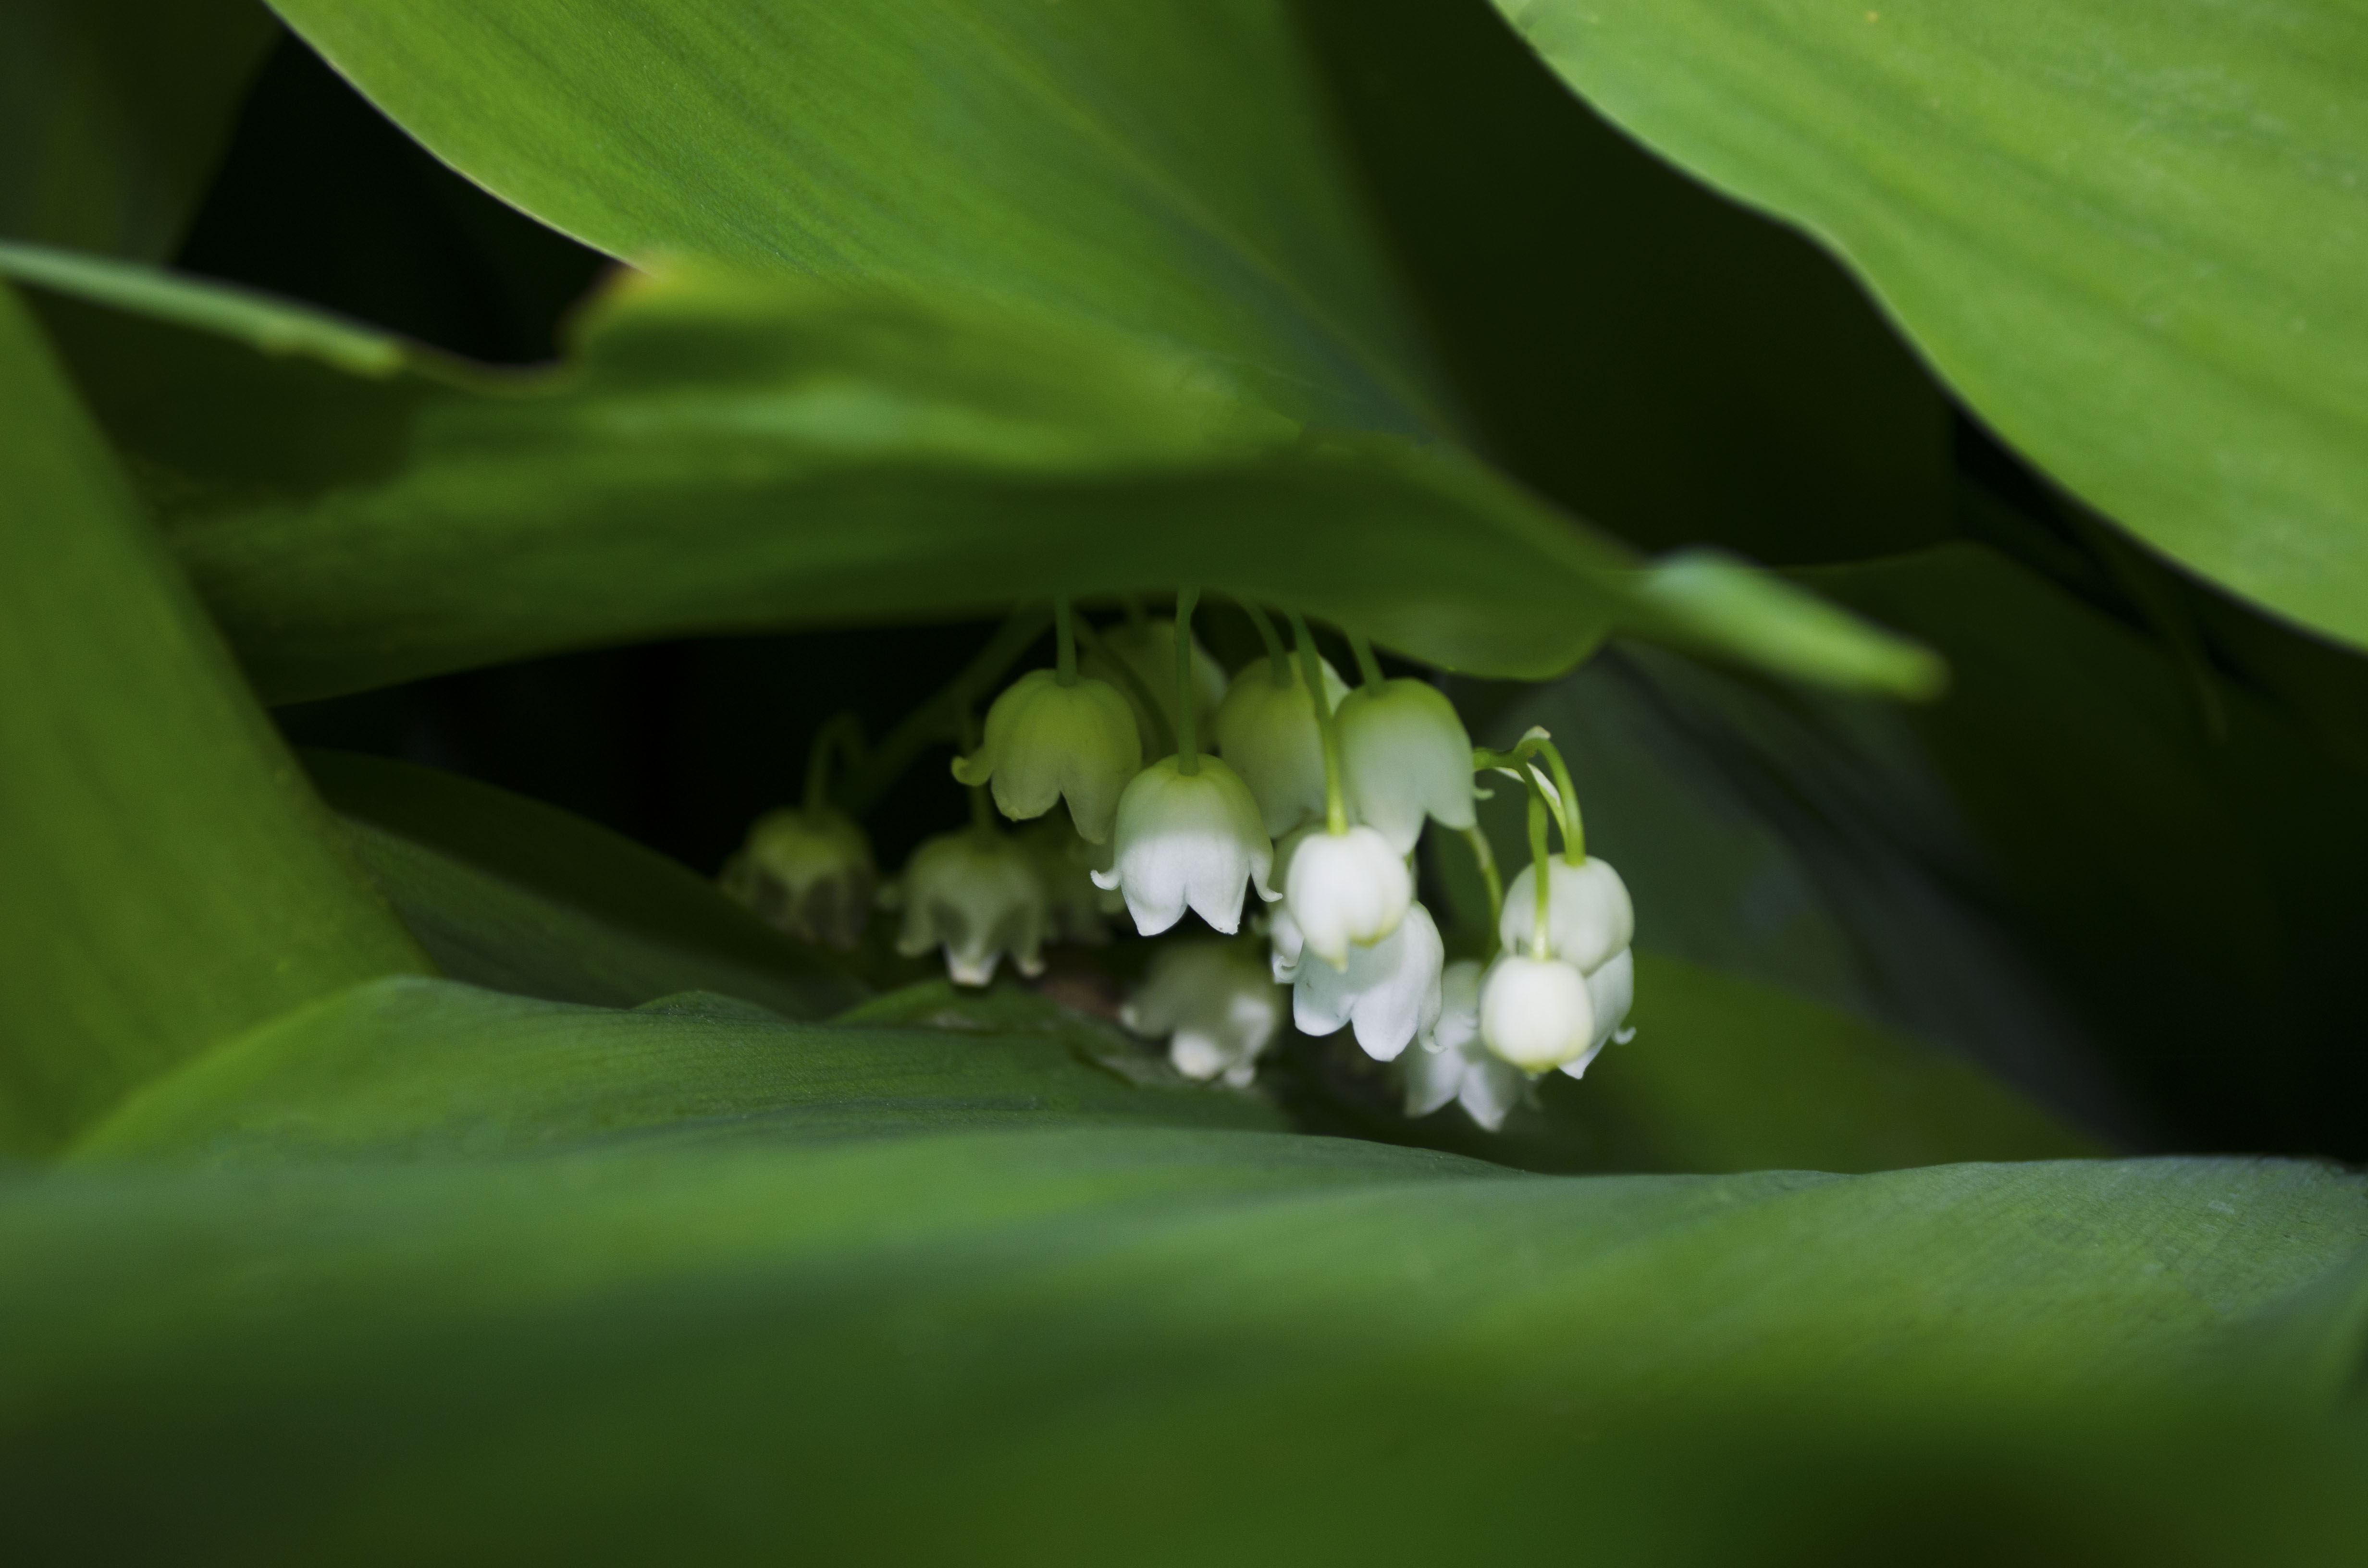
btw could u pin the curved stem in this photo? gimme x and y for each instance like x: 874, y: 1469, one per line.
x: 934, y: 721
x: 1163, y: 740
x: 1311, y: 669
x: 1188, y: 709
x: 1541, y: 872
x: 1564, y: 798
x: 981, y: 814
x: 1491, y: 878
x: 1066, y: 642
x: 1277, y: 661
x: 842, y: 734
x: 1369, y: 668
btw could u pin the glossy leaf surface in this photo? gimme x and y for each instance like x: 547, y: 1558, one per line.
x: 2130, y: 238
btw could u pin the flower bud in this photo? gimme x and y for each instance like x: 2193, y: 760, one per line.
x: 810, y: 873
x: 1535, y: 1013
x: 1404, y: 754
x: 1188, y: 840
x: 1148, y: 649
x: 1345, y: 887
x: 1610, y: 990
x: 1213, y: 1004
x: 1453, y: 1065
x: 1389, y: 991
x: 977, y: 894
x: 1046, y: 740
x: 1590, y: 918
x: 1267, y: 729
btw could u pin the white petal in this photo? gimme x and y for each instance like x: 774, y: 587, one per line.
x: 1344, y: 889
x: 1535, y: 1012
x: 1591, y: 916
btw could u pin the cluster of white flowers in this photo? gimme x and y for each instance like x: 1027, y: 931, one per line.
x: 1314, y: 797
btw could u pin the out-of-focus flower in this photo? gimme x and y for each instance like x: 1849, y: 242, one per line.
x: 1535, y: 1013
x: 809, y: 873
x: 1045, y: 741
x: 977, y: 893
x: 1389, y: 991
x: 1078, y: 910
x: 1345, y: 888
x: 1455, y: 1064
x: 1188, y: 840
x: 1213, y: 1004
x: 1266, y: 730
x: 1405, y: 755
x: 1148, y: 649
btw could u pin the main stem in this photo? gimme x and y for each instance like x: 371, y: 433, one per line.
x: 1277, y: 661
x: 1311, y: 670
x: 1369, y: 668
x: 1187, y: 711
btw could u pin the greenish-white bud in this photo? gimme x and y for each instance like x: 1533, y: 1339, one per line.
x: 1148, y: 649
x: 978, y: 895
x: 1045, y: 741
x: 1267, y: 729
x: 810, y: 873
x: 1405, y: 755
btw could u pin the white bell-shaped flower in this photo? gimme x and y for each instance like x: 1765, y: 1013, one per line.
x: 809, y: 873
x: 1215, y: 1005
x: 1078, y: 910
x: 1188, y: 840
x: 1345, y: 888
x: 977, y: 894
x: 1148, y: 649
x: 1389, y: 992
x: 1454, y: 1064
x: 1535, y: 1013
x: 1610, y: 990
x: 1045, y: 741
x: 1589, y: 918
x: 1406, y: 755
x: 1267, y: 729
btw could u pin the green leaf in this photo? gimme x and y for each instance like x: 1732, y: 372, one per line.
x: 2129, y: 237
x: 113, y: 112
x: 507, y: 892
x: 170, y: 881
x: 728, y: 452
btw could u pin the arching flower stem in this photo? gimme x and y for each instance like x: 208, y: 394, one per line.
x: 982, y: 810
x: 844, y: 734
x: 1369, y: 668
x: 1187, y: 711
x: 1562, y: 797
x: 934, y: 720
x: 1484, y: 859
x: 1311, y: 670
x: 1277, y: 661
x: 1065, y: 643
x: 1538, y: 858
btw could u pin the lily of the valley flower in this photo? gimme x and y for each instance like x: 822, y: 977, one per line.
x: 809, y: 873
x: 1266, y: 730
x: 1535, y: 1013
x: 1046, y: 740
x: 1591, y: 918
x: 1148, y: 649
x: 1610, y: 991
x: 1389, y: 991
x: 1344, y: 890
x: 1213, y: 1004
x: 1455, y: 1064
x: 1406, y: 755
x: 977, y: 893
x: 1188, y: 840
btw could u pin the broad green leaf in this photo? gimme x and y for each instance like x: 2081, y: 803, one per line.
x: 170, y: 879
x: 113, y: 112
x: 727, y: 452
x: 1142, y: 1345
x: 506, y: 893
x: 2129, y: 237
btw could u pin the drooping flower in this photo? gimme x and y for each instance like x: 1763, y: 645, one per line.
x: 1344, y: 889
x: 1188, y: 840
x: 1045, y: 741
x: 1389, y: 991
x: 1455, y: 1064
x: 1535, y: 1013
x: 976, y: 893
x: 1148, y: 649
x: 1591, y: 918
x: 1213, y: 1004
x: 1267, y: 729
x: 1406, y: 755
x: 809, y: 873
x: 1078, y: 910
x: 1610, y: 991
